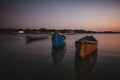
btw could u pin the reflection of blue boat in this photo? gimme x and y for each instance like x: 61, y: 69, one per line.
x: 36, y: 37
x: 58, y: 54
x: 58, y: 39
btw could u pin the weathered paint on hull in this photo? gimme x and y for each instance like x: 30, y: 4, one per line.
x: 85, y: 47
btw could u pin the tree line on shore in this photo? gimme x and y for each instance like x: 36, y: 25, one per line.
x: 44, y: 30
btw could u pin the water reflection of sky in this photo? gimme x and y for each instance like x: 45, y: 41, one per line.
x: 34, y: 60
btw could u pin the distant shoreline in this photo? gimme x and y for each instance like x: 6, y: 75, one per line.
x: 49, y: 31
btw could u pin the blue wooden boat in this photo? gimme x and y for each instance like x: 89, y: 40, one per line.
x: 58, y: 39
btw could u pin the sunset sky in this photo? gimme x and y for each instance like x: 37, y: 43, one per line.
x: 97, y: 15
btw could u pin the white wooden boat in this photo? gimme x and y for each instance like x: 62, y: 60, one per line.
x: 36, y: 36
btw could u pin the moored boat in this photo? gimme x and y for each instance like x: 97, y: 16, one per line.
x: 36, y: 36
x: 86, y: 45
x: 58, y: 39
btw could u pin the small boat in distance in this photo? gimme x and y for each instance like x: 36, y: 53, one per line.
x: 58, y: 39
x: 36, y: 36
x: 86, y: 45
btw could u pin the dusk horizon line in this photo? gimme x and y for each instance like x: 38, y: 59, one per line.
x: 68, y: 29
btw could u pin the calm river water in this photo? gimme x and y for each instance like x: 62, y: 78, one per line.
x: 21, y: 60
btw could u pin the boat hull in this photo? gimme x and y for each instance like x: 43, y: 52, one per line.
x: 85, y: 47
x: 58, y: 40
x: 36, y: 37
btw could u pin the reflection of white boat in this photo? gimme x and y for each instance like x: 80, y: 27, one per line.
x: 36, y: 36
x: 58, y: 54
